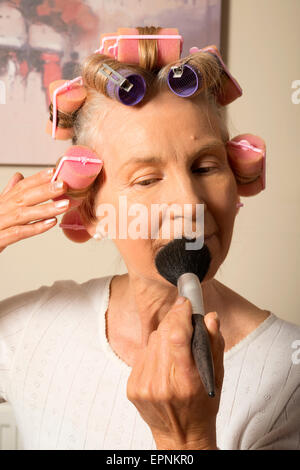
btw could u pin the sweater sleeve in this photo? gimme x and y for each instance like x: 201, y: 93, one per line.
x: 285, y: 432
x: 15, y: 312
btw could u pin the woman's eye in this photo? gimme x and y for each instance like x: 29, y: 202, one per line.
x: 146, y: 182
x: 203, y: 169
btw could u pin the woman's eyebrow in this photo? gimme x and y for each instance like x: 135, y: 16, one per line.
x: 150, y: 159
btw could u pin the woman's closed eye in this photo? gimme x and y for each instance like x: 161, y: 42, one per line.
x: 204, y: 169
x: 147, y: 182
x: 201, y: 170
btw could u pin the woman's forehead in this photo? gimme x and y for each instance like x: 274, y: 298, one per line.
x: 162, y: 123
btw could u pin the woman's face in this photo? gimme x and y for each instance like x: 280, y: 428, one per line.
x: 188, y: 165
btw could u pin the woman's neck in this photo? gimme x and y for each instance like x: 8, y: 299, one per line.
x: 137, y: 306
x: 142, y: 304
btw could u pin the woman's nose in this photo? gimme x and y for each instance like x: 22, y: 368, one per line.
x: 183, y: 190
x: 187, y: 207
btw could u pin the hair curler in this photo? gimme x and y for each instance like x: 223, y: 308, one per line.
x: 185, y: 80
x: 248, y: 160
x: 68, y: 97
x: 78, y: 167
x: 232, y: 89
x: 124, y: 45
x: 128, y: 88
x: 73, y: 227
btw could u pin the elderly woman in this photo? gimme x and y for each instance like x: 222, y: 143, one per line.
x: 107, y: 364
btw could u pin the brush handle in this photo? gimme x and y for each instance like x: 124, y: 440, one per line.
x: 202, y: 353
x: 189, y: 286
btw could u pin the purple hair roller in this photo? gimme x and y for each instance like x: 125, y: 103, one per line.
x: 128, y: 88
x: 184, y: 80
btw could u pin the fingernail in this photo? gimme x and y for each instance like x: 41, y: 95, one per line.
x: 49, y: 171
x: 57, y: 185
x: 49, y: 221
x: 63, y: 203
x: 180, y: 300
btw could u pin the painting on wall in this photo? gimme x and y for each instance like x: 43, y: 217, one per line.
x: 45, y: 40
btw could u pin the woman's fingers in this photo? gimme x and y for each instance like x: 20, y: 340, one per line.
x: 246, y: 156
x: 171, y: 344
x: 165, y: 385
x: 20, y: 207
x: 177, y: 337
x: 177, y: 331
x: 14, y: 180
x: 28, y: 183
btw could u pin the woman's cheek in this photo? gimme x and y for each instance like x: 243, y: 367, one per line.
x: 227, y: 213
x: 222, y: 192
x: 137, y: 255
x: 221, y: 201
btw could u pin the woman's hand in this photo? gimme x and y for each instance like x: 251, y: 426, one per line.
x: 248, y: 166
x: 166, y: 388
x: 20, y: 204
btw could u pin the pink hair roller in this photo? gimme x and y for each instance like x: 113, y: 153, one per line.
x: 73, y: 227
x: 124, y: 45
x: 67, y: 96
x: 245, y: 149
x: 232, y: 89
x: 78, y: 167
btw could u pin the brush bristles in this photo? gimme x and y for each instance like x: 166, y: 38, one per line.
x: 174, y: 259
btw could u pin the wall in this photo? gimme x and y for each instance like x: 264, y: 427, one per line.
x: 262, y: 40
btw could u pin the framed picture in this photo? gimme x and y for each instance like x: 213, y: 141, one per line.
x: 45, y: 40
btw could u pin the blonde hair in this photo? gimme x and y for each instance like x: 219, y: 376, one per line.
x: 96, y: 104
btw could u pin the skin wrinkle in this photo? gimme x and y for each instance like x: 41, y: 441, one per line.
x: 140, y: 299
x: 155, y: 160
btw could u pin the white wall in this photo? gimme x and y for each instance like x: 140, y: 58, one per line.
x: 262, y: 265
x: 264, y: 54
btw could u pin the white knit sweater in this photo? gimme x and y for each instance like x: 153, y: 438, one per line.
x: 67, y: 387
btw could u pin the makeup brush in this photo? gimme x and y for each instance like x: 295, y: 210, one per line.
x: 186, y: 269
